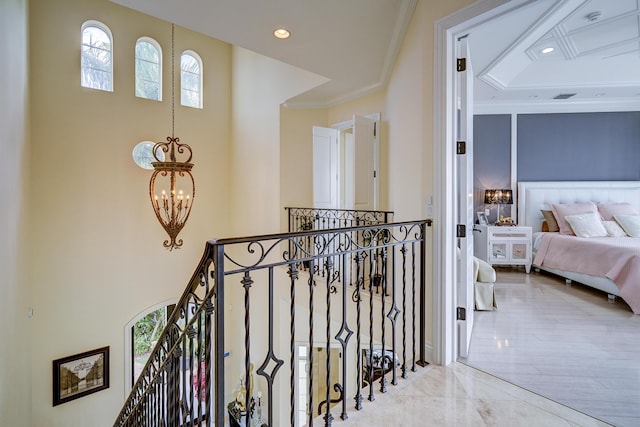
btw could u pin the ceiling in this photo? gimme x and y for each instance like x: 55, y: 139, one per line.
x: 354, y: 45
x: 596, y: 56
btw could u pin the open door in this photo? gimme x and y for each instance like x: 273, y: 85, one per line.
x: 365, y: 168
x: 345, y: 165
x: 464, y: 175
x: 326, y: 162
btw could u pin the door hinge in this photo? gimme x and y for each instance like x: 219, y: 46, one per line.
x: 374, y: 174
x: 461, y: 64
x: 461, y: 147
x: 461, y: 313
x: 461, y: 230
x: 375, y: 124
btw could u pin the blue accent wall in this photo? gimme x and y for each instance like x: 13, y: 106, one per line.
x: 491, y: 157
x: 579, y: 147
x: 555, y: 147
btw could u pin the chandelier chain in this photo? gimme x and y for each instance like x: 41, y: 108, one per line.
x: 173, y: 82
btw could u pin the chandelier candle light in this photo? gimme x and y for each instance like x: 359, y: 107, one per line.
x: 173, y: 206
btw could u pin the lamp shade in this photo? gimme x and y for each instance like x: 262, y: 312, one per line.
x: 500, y: 197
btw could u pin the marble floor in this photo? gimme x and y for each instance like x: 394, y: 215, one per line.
x: 567, y: 343
x: 459, y: 395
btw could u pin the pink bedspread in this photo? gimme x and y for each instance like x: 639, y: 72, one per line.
x: 617, y: 258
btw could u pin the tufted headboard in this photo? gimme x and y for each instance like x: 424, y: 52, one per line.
x: 533, y: 196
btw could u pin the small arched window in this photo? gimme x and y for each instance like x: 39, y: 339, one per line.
x: 148, y: 69
x: 96, y: 62
x: 191, y: 79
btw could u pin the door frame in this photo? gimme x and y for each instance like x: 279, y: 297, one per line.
x: 447, y: 30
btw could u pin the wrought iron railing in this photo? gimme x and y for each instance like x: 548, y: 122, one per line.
x: 305, y: 219
x: 248, y: 302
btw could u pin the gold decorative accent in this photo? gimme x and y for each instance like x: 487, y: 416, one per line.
x: 172, y: 202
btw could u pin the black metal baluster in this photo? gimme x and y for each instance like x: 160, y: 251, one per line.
x: 310, y: 367
x: 371, y: 261
x: 393, y: 316
x: 246, y: 283
x: 383, y: 279
x: 413, y: 311
x: 404, y: 311
x: 423, y: 289
x: 270, y: 377
x: 219, y: 342
x: 293, y: 275
x: 328, y: 418
x: 344, y: 340
x: 359, y: 271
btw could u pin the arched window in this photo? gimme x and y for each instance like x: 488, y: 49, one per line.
x: 141, y: 335
x: 96, y: 61
x: 191, y: 79
x: 148, y: 69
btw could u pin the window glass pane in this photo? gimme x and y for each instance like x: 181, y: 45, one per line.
x: 95, y: 59
x: 190, y: 99
x: 147, y: 51
x: 190, y: 81
x: 148, y: 75
x: 145, y: 334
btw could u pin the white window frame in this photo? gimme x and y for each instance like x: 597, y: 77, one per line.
x: 195, y: 56
x: 103, y: 27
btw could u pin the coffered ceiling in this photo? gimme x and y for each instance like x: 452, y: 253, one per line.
x: 595, y: 54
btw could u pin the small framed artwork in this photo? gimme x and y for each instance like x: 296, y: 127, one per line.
x: 482, y: 218
x: 79, y: 375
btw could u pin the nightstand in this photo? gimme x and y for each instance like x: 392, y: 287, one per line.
x: 503, y: 245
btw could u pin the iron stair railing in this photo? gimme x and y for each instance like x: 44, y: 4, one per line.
x: 233, y: 306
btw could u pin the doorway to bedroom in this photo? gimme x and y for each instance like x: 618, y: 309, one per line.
x: 510, y: 343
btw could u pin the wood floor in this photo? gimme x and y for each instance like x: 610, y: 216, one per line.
x: 567, y: 343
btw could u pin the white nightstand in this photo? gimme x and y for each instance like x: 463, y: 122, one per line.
x: 503, y: 245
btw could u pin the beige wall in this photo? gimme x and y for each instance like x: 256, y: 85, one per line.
x: 15, y: 326
x: 260, y: 85
x: 96, y: 250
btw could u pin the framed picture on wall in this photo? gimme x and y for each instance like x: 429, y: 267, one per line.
x: 79, y: 375
x: 482, y: 218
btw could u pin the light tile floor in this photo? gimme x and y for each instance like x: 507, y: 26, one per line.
x: 458, y: 395
x: 567, y: 343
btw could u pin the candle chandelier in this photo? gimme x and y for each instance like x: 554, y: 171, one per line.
x: 172, y: 187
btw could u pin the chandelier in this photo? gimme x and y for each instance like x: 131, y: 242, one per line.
x: 172, y: 187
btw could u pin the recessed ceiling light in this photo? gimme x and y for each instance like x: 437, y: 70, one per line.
x: 547, y: 50
x: 281, y: 33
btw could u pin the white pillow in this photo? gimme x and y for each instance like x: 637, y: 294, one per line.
x: 587, y: 225
x: 613, y: 229
x: 629, y: 223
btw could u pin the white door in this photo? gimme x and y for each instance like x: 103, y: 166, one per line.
x: 464, y: 175
x: 326, y: 161
x: 365, y: 170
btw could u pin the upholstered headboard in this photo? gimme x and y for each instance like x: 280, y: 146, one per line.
x: 533, y: 196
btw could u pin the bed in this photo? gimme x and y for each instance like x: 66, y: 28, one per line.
x: 536, y: 196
